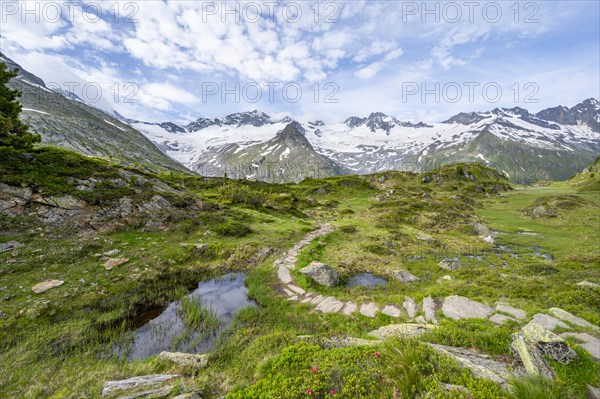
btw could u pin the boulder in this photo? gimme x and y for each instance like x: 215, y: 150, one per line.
x: 185, y: 359
x: 450, y: 264
x: 405, y: 276
x: 405, y: 330
x: 137, y: 382
x: 46, y: 285
x: 321, y: 273
x: 532, y: 360
x: 9, y: 246
x: 458, y: 307
x: 481, y: 229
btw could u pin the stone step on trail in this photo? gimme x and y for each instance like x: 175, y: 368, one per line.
x: 411, y: 307
x: 514, y: 312
x: 283, y: 273
x: 142, y: 381
x: 317, y: 300
x: 458, y: 307
x: 368, y: 309
x: 404, y: 330
x: 296, y: 289
x: 391, y: 310
x: 330, y: 305
x: 429, y: 309
x: 349, y: 308
x: 500, y: 319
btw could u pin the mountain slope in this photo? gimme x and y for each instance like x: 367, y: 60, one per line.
x: 288, y: 156
x: 72, y: 124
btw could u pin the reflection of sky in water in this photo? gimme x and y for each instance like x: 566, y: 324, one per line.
x: 365, y: 280
x: 225, y: 296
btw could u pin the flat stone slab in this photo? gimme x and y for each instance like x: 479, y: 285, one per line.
x: 137, y: 382
x: 296, y: 289
x: 46, y: 285
x: 404, y: 330
x: 330, y: 305
x: 185, y: 359
x: 500, y: 319
x: 338, y: 342
x: 458, y: 307
x: 480, y: 364
x: 514, y: 312
x: 112, y: 263
x: 391, y: 310
x: 307, y: 299
x: 411, y: 307
x: 349, y: 308
x: 368, y: 309
x: 283, y: 273
x: 548, y: 322
x: 590, y: 343
x: 429, y: 309
x: 571, y: 318
x: 317, y: 300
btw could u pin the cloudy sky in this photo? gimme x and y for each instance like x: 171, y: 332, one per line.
x: 178, y: 60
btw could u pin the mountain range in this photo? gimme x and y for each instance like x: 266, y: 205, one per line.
x: 553, y: 144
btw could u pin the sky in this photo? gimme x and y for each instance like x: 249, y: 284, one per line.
x: 158, y: 60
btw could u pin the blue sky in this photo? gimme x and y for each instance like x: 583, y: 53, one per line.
x: 172, y: 60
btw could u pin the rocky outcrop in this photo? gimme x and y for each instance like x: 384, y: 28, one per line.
x: 321, y: 273
x: 548, y: 322
x: 570, y: 318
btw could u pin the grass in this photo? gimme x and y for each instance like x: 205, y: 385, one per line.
x: 57, y: 344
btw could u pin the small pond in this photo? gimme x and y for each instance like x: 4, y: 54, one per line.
x: 166, y: 330
x: 365, y: 280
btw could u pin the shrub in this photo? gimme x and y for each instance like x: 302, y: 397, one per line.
x: 231, y: 228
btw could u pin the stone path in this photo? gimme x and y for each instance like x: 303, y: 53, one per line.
x: 453, y: 307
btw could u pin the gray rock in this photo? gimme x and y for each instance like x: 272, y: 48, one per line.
x: 530, y: 356
x: 185, y: 359
x: 330, y: 305
x: 566, y: 316
x: 46, y: 285
x: 405, y: 330
x: 429, y: 309
x: 391, y: 311
x: 593, y: 392
x: 137, y: 382
x: 590, y: 343
x: 187, y: 396
x: 481, y: 365
x: 450, y: 264
x: 425, y: 237
x: 548, y: 322
x: 517, y: 313
x: 9, y: 246
x: 481, y: 229
x: 296, y: 289
x: 405, y: 276
x: 283, y: 273
x: 410, y: 306
x: 458, y: 307
x: 338, y: 342
x: 321, y: 273
x: 349, y: 308
x: 500, y: 319
x: 368, y: 309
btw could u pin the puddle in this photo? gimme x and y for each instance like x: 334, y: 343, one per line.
x: 538, y: 252
x: 365, y: 280
x: 166, y: 331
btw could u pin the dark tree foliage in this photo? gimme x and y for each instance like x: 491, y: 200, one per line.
x: 14, y: 135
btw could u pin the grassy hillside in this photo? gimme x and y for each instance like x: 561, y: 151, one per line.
x: 60, y: 343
